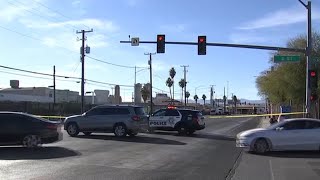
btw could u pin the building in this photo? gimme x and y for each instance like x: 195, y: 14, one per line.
x: 37, y: 94
x: 137, y: 93
x: 117, y: 98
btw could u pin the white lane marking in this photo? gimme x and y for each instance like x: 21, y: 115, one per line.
x: 271, y: 171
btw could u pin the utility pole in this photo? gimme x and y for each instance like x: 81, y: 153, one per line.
x: 212, y: 95
x: 185, y: 85
x: 308, y: 55
x: 83, y: 32
x: 54, y: 87
x: 224, y: 99
x: 227, y: 91
x: 150, y: 65
x: 135, y: 82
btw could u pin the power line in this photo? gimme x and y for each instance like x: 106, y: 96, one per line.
x: 45, y: 74
x: 53, y: 10
x: 102, y: 61
x: 37, y: 39
x: 34, y: 10
x: 24, y: 75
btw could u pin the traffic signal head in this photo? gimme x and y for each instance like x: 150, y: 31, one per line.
x: 313, y: 79
x: 202, y: 45
x: 161, y: 43
x: 313, y: 96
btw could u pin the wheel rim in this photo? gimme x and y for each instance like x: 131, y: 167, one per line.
x: 72, y: 129
x: 261, y: 146
x: 31, y: 141
x: 119, y: 130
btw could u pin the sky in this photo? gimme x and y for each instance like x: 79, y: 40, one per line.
x: 38, y: 34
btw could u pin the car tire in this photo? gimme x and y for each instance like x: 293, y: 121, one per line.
x: 260, y: 146
x: 87, y: 133
x: 31, y: 141
x: 120, y: 130
x: 190, y: 132
x: 181, y: 130
x: 72, y: 129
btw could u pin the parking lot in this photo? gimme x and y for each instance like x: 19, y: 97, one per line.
x: 208, y: 154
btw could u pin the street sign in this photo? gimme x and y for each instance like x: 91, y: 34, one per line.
x: 135, y: 41
x: 286, y: 58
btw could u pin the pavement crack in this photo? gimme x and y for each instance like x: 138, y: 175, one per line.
x: 234, y: 167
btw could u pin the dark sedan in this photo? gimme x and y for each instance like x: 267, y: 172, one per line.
x: 27, y: 130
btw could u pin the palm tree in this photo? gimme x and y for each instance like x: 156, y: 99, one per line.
x: 195, y: 97
x: 172, y: 73
x: 235, y: 100
x: 204, y: 97
x: 187, y: 96
x: 182, y: 84
x: 169, y: 83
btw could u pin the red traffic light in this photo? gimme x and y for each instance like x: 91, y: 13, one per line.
x: 312, y: 73
x: 201, y: 40
x: 160, y: 38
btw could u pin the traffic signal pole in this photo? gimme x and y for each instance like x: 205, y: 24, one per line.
x: 308, y: 57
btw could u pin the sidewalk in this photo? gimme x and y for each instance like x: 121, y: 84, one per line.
x: 277, y: 165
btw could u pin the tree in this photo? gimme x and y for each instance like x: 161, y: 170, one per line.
x: 169, y: 83
x: 285, y: 82
x: 182, y: 84
x: 235, y: 100
x: 195, y: 97
x: 172, y: 73
x: 145, y: 93
x: 204, y: 97
x: 187, y: 95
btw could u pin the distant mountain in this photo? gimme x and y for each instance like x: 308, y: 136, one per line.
x: 252, y: 101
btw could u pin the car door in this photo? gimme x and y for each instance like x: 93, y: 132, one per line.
x: 312, y: 133
x: 92, y: 120
x: 5, y: 136
x: 16, y: 127
x: 157, y: 119
x: 289, y: 136
x: 172, y: 117
x: 115, y: 115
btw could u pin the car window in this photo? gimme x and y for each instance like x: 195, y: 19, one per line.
x: 172, y: 112
x: 312, y: 125
x: 294, y: 125
x: 160, y: 113
x: 139, y: 111
x: 121, y: 111
x: 94, y: 112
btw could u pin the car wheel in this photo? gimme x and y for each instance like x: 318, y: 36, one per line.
x: 31, y: 141
x: 120, y: 130
x: 87, y: 133
x: 151, y: 130
x: 181, y: 130
x: 190, y: 132
x: 260, y: 146
x: 72, y: 129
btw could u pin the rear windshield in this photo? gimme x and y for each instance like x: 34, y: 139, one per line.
x: 139, y: 111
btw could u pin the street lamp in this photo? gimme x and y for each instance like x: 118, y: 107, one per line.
x: 195, y: 89
x: 91, y: 92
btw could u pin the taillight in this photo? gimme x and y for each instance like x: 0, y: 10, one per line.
x: 135, y: 118
x: 196, y: 120
x: 51, y: 126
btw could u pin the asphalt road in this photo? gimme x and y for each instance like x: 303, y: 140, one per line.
x: 209, y: 154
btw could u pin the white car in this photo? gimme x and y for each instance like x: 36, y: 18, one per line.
x: 289, y: 134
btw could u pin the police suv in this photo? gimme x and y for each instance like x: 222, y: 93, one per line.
x: 184, y: 121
